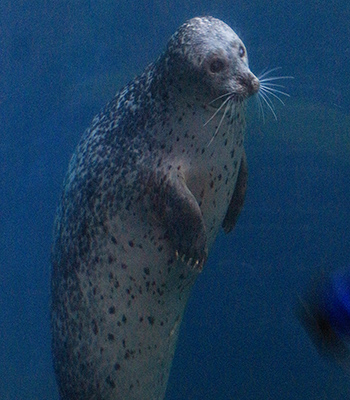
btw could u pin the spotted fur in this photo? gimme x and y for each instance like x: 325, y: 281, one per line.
x: 143, y: 200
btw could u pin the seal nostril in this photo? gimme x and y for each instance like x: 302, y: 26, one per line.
x: 250, y: 82
x: 255, y: 85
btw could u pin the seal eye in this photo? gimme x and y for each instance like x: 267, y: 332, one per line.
x: 216, y: 65
x: 241, y: 51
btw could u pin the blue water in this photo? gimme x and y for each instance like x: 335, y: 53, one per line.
x: 59, y: 63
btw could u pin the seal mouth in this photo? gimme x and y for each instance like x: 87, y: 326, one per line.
x: 243, y: 87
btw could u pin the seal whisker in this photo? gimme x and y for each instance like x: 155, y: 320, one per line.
x: 268, y: 91
x: 275, y: 78
x: 217, y: 111
x: 266, y: 72
x: 268, y: 102
x: 268, y: 88
x: 260, y: 108
x: 220, y: 97
x: 263, y: 77
x: 272, y: 84
x: 222, y: 118
x: 233, y: 111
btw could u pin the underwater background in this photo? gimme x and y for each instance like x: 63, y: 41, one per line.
x: 60, y: 62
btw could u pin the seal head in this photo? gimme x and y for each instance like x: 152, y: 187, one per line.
x: 209, y: 55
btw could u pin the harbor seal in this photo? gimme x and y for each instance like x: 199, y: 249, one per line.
x: 153, y: 179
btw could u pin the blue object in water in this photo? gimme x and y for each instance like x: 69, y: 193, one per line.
x: 324, y: 311
x: 337, y: 302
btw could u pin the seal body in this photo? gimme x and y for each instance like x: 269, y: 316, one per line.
x: 160, y: 170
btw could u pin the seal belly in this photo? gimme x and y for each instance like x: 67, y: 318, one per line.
x: 128, y: 308
x: 214, y: 187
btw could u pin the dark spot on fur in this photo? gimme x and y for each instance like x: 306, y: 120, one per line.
x: 117, y: 366
x: 151, y: 320
x: 111, y: 310
x: 110, y: 337
x: 110, y: 259
x: 94, y: 327
x: 110, y: 382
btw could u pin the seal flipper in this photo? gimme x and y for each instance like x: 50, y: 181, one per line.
x: 237, y: 200
x: 176, y: 208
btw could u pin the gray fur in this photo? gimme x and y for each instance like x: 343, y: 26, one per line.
x: 146, y: 193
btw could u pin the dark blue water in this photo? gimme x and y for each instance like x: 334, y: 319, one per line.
x: 59, y: 63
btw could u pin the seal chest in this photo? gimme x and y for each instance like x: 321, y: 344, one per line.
x: 160, y: 170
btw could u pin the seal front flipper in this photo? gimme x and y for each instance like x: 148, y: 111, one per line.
x: 237, y: 200
x: 176, y: 208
